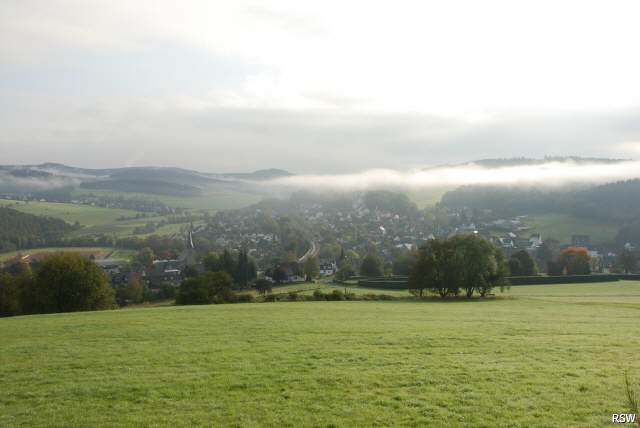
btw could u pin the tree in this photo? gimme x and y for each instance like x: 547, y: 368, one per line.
x: 212, y: 287
x: 242, y: 269
x: 345, y: 272
x: 262, y: 286
x: 464, y: 262
x: 252, y: 271
x: 404, y: 262
x: 521, y: 264
x: 212, y: 262
x: 279, y: 275
x: 496, y: 276
x: 228, y: 263
x: 9, y: 295
x: 554, y: 268
x: 145, y: 257
x: 311, y: 268
x: 68, y: 283
x: 627, y: 261
x: 437, y: 269
x: 477, y: 258
x: 371, y: 265
x: 575, y: 261
x: 543, y: 255
x: 190, y: 271
x: 134, y: 290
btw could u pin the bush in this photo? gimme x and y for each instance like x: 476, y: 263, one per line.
x: 271, y: 298
x: 245, y: 298
x: 319, y: 295
x: 335, y: 295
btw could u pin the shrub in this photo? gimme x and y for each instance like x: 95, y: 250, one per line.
x: 271, y: 298
x: 319, y: 295
x: 335, y: 295
x: 245, y: 298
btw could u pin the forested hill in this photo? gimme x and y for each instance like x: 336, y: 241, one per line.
x: 618, y: 201
x: 20, y: 230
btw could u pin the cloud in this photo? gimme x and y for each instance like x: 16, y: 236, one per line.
x: 10, y: 183
x: 302, y: 141
x: 548, y: 174
x: 315, y: 86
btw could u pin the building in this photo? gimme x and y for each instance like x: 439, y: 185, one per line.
x: 580, y: 241
x: 328, y: 268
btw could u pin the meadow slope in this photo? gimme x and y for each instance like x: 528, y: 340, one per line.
x: 542, y: 357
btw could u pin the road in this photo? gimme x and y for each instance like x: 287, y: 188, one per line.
x: 311, y: 252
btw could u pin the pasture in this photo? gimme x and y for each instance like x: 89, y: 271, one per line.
x: 97, y: 252
x: 86, y: 215
x: 211, y: 200
x: 547, y: 355
x: 94, y: 220
x: 562, y: 226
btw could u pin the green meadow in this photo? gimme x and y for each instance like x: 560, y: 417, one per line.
x: 86, y: 215
x: 97, y: 252
x: 562, y: 226
x: 548, y: 355
x: 211, y: 200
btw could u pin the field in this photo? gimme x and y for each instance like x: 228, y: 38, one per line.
x: 562, y: 226
x: 86, y: 215
x: 95, y: 220
x: 97, y: 252
x: 549, y: 355
x: 212, y: 200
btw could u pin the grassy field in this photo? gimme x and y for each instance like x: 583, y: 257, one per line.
x: 550, y: 355
x: 221, y: 199
x: 98, y: 252
x: 562, y: 226
x: 95, y: 220
x: 86, y: 215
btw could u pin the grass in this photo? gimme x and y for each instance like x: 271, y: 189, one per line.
x: 95, y: 220
x: 542, y: 357
x: 98, y: 252
x: 562, y: 226
x: 212, y: 200
x: 86, y: 215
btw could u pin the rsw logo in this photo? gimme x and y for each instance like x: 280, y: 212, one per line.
x: 623, y: 418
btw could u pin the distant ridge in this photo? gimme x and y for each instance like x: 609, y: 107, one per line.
x: 503, y: 162
x: 261, y: 175
x: 139, y: 179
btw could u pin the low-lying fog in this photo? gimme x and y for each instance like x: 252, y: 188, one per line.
x: 549, y: 174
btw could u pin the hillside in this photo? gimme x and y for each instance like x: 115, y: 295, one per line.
x: 619, y: 201
x: 21, y: 230
x: 328, y: 363
x: 54, y: 181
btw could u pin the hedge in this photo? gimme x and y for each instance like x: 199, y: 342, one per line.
x: 400, y: 283
x: 570, y: 279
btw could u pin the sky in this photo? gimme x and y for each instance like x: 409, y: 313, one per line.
x: 316, y: 87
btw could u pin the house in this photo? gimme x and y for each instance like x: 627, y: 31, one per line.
x: 328, y: 267
x: 535, y: 240
x: 164, y: 271
x: 580, y: 241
